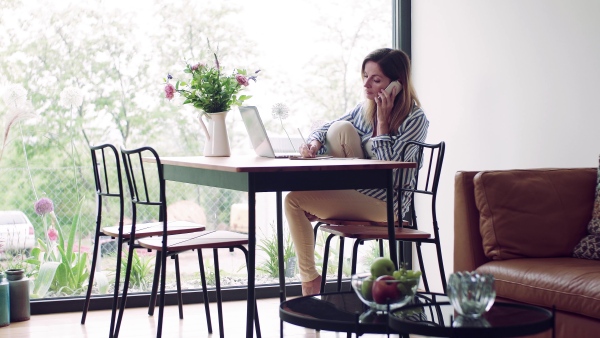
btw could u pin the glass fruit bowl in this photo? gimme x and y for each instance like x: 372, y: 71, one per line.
x: 377, y: 293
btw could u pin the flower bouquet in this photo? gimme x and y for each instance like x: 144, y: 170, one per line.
x: 209, y: 89
x: 213, y: 92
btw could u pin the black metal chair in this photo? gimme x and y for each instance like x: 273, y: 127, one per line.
x: 106, y: 166
x: 428, y: 156
x: 137, y: 172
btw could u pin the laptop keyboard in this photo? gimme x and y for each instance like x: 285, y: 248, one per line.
x: 286, y: 155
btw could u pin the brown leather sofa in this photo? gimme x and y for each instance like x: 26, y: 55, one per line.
x: 521, y: 226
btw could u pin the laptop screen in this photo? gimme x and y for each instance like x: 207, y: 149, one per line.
x: 256, y: 131
x: 263, y: 144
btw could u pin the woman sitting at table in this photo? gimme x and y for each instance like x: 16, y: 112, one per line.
x: 376, y: 129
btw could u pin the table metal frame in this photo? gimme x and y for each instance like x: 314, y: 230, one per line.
x: 254, y: 175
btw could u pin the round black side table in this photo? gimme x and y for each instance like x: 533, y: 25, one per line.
x: 440, y: 320
x: 340, y: 312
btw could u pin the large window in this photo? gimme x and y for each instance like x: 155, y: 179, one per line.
x: 116, y: 54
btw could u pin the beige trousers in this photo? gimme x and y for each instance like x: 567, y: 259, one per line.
x: 342, y: 141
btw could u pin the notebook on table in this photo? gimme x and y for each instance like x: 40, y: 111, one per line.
x: 260, y: 139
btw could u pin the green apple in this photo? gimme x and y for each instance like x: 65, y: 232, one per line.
x: 382, y: 266
x: 366, y: 288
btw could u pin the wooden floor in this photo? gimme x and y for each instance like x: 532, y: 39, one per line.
x: 137, y: 323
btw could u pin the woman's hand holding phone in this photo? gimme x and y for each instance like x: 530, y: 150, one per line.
x: 386, y: 97
x: 391, y: 86
x: 385, y: 103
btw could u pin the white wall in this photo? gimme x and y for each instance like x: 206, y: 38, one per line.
x: 507, y: 84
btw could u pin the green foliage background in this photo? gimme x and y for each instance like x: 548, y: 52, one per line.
x: 119, y: 61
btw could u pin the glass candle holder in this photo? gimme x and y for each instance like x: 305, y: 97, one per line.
x: 471, y: 293
x: 462, y: 321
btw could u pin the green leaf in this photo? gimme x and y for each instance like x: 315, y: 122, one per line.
x: 80, y: 269
x: 42, y: 245
x: 61, y: 277
x: 74, y: 228
x: 243, y: 98
x: 33, y: 261
x: 44, y: 279
x: 36, y: 252
x: 64, y: 255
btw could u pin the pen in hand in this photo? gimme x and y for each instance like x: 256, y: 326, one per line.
x: 303, y: 140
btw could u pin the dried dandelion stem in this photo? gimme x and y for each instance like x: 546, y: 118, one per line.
x: 73, y: 155
x: 27, y: 162
x: 288, y: 136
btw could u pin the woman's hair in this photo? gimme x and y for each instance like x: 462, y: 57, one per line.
x: 394, y: 64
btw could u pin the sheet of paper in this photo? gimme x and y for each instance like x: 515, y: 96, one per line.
x: 310, y: 158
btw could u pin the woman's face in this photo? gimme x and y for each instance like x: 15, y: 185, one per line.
x: 373, y: 80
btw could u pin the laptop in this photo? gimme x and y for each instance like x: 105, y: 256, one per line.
x: 263, y: 146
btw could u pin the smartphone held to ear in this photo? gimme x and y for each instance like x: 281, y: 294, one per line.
x: 393, y: 84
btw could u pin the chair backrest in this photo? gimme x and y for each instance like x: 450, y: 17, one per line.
x: 142, y: 178
x: 424, y: 180
x: 107, y: 176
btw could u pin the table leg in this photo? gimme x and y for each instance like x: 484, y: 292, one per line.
x: 251, y: 301
x: 390, y: 216
x: 280, y: 250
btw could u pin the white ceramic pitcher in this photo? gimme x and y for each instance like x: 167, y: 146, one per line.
x: 217, y: 141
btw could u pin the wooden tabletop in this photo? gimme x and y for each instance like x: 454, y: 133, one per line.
x: 265, y: 164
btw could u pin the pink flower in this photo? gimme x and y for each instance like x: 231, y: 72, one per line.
x: 169, y: 91
x: 52, y: 234
x: 241, y: 79
x: 43, y: 206
x: 196, y: 66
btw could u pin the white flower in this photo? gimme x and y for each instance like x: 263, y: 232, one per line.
x: 14, y: 115
x: 21, y: 112
x: 14, y: 95
x: 280, y: 111
x: 71, y: 97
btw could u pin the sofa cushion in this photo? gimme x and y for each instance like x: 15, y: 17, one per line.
x: 589, y: 247
x: 534, y: 212
x: 570, y: 284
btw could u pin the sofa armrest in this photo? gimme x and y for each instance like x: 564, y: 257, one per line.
x: 468, y: 248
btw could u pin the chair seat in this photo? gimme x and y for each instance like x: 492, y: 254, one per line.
x: 373, y: 232
x: 198, y: 240
x: 360, y: 223
x: 155, y: 229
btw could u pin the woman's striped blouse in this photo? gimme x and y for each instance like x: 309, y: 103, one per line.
x: 385, y: 147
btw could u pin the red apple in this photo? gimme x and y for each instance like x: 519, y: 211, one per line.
x: 384, y: 288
